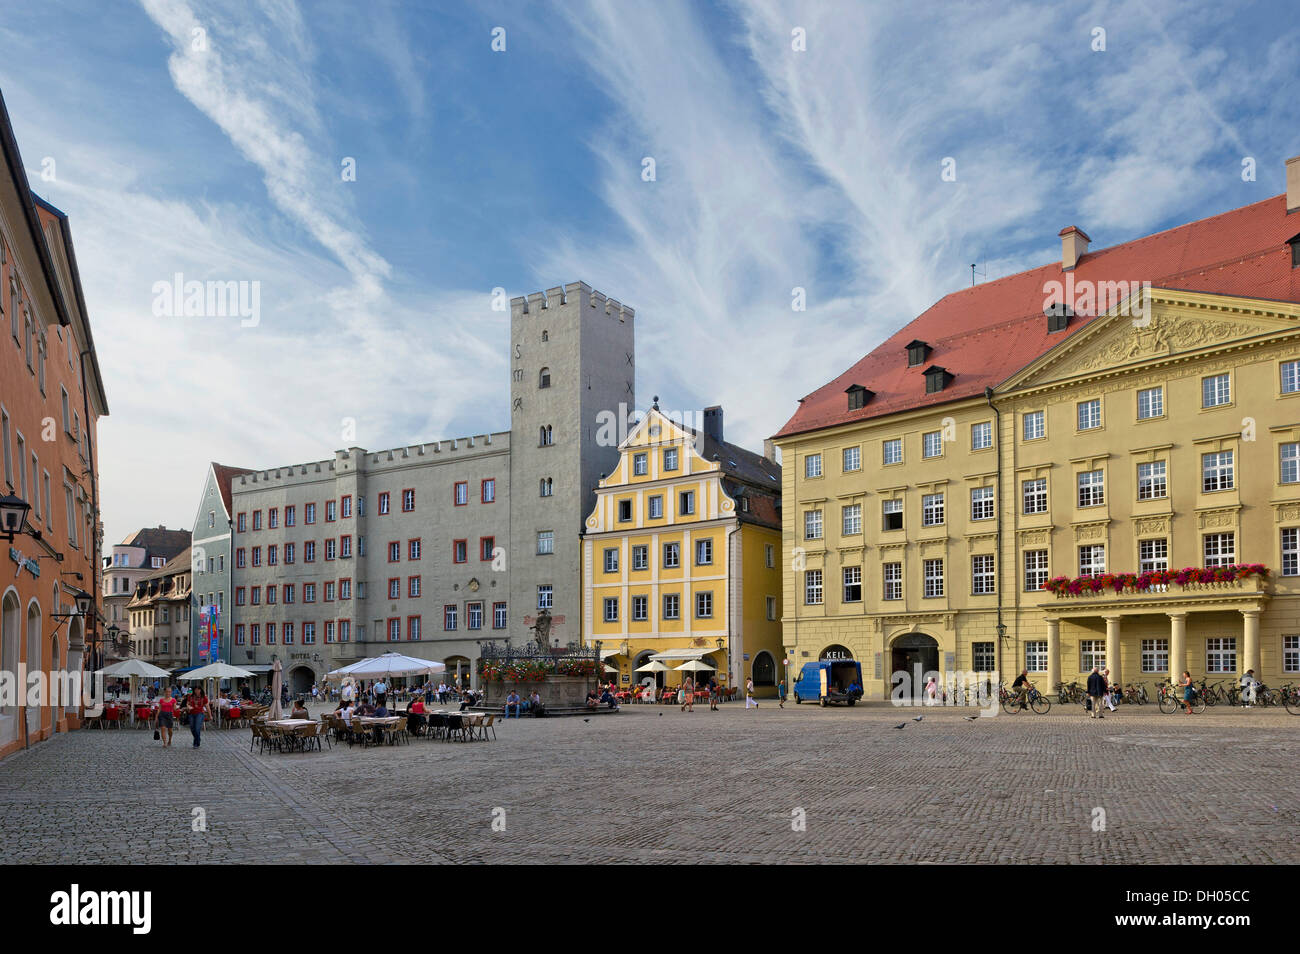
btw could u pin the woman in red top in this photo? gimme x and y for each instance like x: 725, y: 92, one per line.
x: 166, y: 711
x: 197, y: 707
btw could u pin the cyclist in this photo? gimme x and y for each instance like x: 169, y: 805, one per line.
x: 1249, y: 686
x: 1022, y: 687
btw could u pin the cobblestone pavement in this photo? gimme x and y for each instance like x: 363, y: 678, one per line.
x: 656, y: 784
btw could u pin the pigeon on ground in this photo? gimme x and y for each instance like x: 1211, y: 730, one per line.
x: 661, y: 715
x: 901, y: 725
x: 918, y: 718
x: 970, y: 718
x: 586, y: 720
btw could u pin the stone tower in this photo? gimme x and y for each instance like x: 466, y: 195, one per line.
x: 572, y: 356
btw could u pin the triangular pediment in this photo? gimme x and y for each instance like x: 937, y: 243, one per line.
x: 1169, y: 323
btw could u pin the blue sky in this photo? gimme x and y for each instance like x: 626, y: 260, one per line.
x: 521, y: 169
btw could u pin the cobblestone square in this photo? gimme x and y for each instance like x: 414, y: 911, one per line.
x: 654, y: 784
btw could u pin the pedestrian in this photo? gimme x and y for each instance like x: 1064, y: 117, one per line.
x: 1111, y: 690
x: 749, y: 694
x: 197, y: 707
x: 1189, y: 691
x: 166, y: 712
x: 348, y: 691
x: 688, y: 694
x: 931, y: 691
x: 1249, y: 685
x: 780, y: 692
x: 1096, y: 689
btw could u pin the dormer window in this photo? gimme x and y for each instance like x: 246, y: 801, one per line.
x: 917, y: 353
x: 1058, y: 316
x: 1295, y: 251
x: 858, y: 396
x: 936, y: 379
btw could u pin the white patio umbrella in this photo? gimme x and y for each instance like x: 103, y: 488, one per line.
x: 695, y: 665
x: 215, y: 671
x: 388, y: 665
x: 275, y: 712
x: 133, y: 669
x: 653, y: 666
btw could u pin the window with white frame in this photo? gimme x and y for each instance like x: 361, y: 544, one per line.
x: 1153, y: 555
x: 686, y: 503
x: 1290, y: 551
x: 812, y: 525
x: 982, y: 657
x: 1216, y: 390
x: 852, y: 458
x: 1092, y: 488
x: 1092, y: 653
x: 655, y: 506
x: 1155, y: 655
x: 1034, y: 493
x: 1152, y: 480
x: 545, y: 594
x: 983, y: 579
x: 891, y: 512
x: 1290, y: 377
x: 1221, y: 654
x: 1035, y: 656
x: 672, y: 606
x: 1217, y: 472
x: 1034, y: 425
x: 611, y: 609
x: 1089, y: 413
x: 1035, y: 569
x: 545, y: 541
x: 1151, y: 403
x: 672, y: 555
x: 932, y: 444
x: 670, y: 458
x: 892, y: 451
x: 931, y: 510
x: 933, y: 576
x: 640, y: 465
x: 852, y: 519
x: 812, y: 587
x: 1092, y: 559
x: 704, y: 605
x: 640, y: 611
x: 812, y: 465
x: 852, y: 584
x: 703, y: 552
x: 1289, y: 470
x: 1220, y: 549
x: 1291, y: 653
x: 771, y: 607
x: 611, y: 559
x: 641, y: 557
x: 981, y: 503
x: 891, y: 575
x: 981, y: 435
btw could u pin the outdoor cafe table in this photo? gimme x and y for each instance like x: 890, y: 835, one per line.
x: 291, y: 723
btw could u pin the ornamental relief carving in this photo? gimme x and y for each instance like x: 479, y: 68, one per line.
x: 1164, y: 335
x: 1217, y: 518
x: 1146, y: 525
x: 1286, y: 512
x: 1090, y: 531
x: 1029, y: 538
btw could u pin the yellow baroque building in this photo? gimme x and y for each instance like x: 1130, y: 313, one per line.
x: 680, y: 558
x: 1134, y: 409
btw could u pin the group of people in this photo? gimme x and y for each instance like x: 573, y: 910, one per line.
x: 532, y: 704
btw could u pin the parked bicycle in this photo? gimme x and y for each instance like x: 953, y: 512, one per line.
x: 1069, y: 694
x: 1291, y: 698
x: 1171, y: 699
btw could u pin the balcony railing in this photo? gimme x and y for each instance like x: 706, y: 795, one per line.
x: 1238, y: 577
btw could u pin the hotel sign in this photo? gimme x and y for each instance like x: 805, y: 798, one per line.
x: 31, y: 566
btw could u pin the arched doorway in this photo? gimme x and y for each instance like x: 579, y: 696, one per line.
x: 914, y: 656
x: 644, y: 678
x: 10, y: 635
x: 33, y: 664
x: 458, y: 671
x: 300, y: 680
x: 764, y: 671
x: 836, y: 651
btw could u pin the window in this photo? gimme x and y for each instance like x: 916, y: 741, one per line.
x: 309, y: 513
x: 544, y: 487
x: 394, y: 551
x: 686, y: 503
x: 1291, y: 551
x: 345, y: 507
x: 981, y: 503
x: 1033, y: 425
x: 459, y: 551
x: 331, y: 511
x: 812, y: 525
x: 1289, y: 472
x: 982, y: 657
x: 272, y: 555
x: 769, y: 556
x: 931, y: 510
x: 1290, y: 377
x: 345, y: 589
x: 289, y: 552
x: 932, y: 444
x: 892, y: 514
x: 981, y: 435
x: 1092, y: 488
x: 329, y: 630
x: 1153, y: 555
x: 892, y: 451
x: 487, y: 548
x: 488, y: 490
x: 255, y: 596
x: 640, y: 608
x: 812, y: 587
x: 983, y: 577
x: 1035, y: 569
x: 703, y: 552
x: 474, y: 615
x: 640, y: 465
x: 545, y: 541
x: 1151, y: 403
x: 624, y: 511
x: 309, y: 551
x: 611, y: 609
x: 1220, y: 549
x: 672, y: 555
x: 331, y: 549
x: 257, y: 556
x: 1216, y: 471
x: 383, y: 503
x: 1035, y: 656
x: 1221, y: 654
x: 1216, y: 391
x: 255, y: 634
x: 408, y: 501
x: 239, y: 634
x: 345, y: 630
x: 290, y: 516
x: 656, y: 506
x: 308, y: 593
x: 852, y: 458
x: 239, y: 558
x: 345, y: 546
x: 704, y: 605
x: 1089, y: 414
x: 544, y: 436
x: 1155, y: 655
x: 812, y: 465
x: 395, y: 588
x: 1092, y: 652
x: 330, y: 589
x: 672, y: 606
x: 611, y: 559
x: 1152, y: 483
x: 241, y: 523
x: 1034, y: 493
x: 449, y: 616
x: 1291, y: 653
x: 545, y: 594
x: 1092, y: 559
x: 544, y: 378
x: 852, y: 584
x: 851, y: 519
x: 641, y: 557
x: 933, y: 570
x: 499, y: 616
x: 670, y: 458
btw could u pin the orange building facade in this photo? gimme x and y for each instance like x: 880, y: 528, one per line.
x: 51, y: 398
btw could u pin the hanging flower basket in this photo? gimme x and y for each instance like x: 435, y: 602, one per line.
x: 1143, y: 582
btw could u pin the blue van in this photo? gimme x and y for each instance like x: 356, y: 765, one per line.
x: 830, y: 680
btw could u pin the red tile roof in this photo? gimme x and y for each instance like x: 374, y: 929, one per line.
x: 224, y: 475
x: 985, y: 334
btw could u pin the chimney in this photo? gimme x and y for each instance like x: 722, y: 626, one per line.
x: 1074, y: 245
x: 713, y: 422
x: 769, y: 450
x: 1293, y: 184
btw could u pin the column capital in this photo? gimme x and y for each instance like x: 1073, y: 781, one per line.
x: 1178, y: 615
x: 1254, y: 611
x: 1112, y: 619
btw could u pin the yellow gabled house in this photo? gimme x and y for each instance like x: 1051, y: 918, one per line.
x: 680, y: 558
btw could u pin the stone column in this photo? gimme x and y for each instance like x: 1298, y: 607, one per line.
x: 1250, y: 657
x: 1053, y: 655
x: 1112, y: 650
x: 1177, y: 646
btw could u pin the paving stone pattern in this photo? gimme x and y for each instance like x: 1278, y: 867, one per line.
x: 654, y: 784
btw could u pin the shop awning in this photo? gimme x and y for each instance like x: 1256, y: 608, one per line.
x: 684, y: 653
x: 257, y: 669
x: 606, y: 653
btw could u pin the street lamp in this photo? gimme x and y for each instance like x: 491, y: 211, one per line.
x: 1002, y: 630
x: 13, y: 516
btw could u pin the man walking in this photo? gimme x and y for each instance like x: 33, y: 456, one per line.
x: 1096, y: 689
x: 749, y: 694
